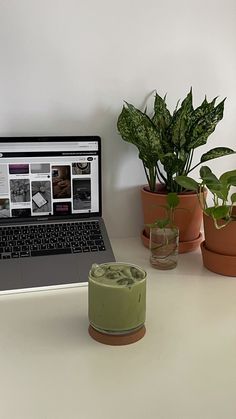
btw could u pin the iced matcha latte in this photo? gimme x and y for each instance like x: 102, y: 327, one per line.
x: 117, y: 297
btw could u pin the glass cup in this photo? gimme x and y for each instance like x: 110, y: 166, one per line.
x: 117, y: 298
x: 164, y: 247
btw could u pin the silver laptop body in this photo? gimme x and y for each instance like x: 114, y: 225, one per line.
x: 50, y: 203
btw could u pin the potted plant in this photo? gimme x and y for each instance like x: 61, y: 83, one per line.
x: 164, y: 237
x: 166, y: 144
x: 219, y: 247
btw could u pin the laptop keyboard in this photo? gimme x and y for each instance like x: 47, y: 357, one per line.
x: 50, y: 239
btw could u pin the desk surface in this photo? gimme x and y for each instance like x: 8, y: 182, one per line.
x: 184, y: 368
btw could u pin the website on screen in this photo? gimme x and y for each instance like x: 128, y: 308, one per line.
x: 48, y: 179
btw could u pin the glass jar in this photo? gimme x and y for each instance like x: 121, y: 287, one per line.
x: 164, y: 247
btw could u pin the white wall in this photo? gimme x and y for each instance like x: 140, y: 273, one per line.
x: 67, y: 65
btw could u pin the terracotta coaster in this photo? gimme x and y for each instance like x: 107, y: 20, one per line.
x: 117, y: 339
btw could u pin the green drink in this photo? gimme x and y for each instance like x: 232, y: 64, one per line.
x: 117, y: 297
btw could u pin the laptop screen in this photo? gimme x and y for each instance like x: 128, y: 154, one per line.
x: 49, y: 177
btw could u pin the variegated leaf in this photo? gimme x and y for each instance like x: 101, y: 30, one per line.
x: 162, y: 116
x: 205, y: 125
x: 137, y: 128
x: 181, y: 120
x: 214, y: 153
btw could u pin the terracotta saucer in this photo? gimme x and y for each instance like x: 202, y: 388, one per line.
x: 184, y: 247
x: 124, y: 339
x: 218, y: 263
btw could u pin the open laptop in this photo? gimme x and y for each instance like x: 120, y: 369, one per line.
x: 51, y: 226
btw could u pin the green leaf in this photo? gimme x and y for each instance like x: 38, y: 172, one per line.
x: 162, y: 116
x: 171, y: 163
x: 221, y: 191
x: 162, y: 223
x: 187, y: 183
x: 228, y: 178
x: 208, y: 177
x: 205, y: 172
x: 220, y: 212
x: 209, y: 211
x: 172, y: 200
x: 136, y: 127
x: 214, y: 153
x: 233, y: 198
x: 204, y: 124
x: 181, y: 120
x: 213, y: 183
x: 232, y: 181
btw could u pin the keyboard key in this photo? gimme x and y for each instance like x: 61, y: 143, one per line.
x: 86, y: 249
x: 17, y: 249
x: 33, y: 247
x: 8, y: 249
x: 24, y: 254
x: 96, y: 237
x: 90, y: 242
x: 99, y: 242
x: 101, y: 248
x: 93, y: 248
x: 51, y: 246
x: 24, y: 248
x: 15, y: 255
x: 49, y: 252
x: 77, y: 250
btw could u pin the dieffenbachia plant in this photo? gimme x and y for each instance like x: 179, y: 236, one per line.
x: 166, y: 142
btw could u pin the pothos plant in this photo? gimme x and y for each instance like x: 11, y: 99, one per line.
x: 224, y: 199
x: 167, y: 142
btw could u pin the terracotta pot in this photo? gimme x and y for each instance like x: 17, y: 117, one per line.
x: 221, y: 241
x: 219, y: 247
x: 187, y: 216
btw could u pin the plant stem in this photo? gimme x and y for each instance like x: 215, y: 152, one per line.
x: 194, y: 167
x: 147, y: 175
x: 160, y: 175
x: 190, y: 159
x: 152, y: 177
x: 152, y: 180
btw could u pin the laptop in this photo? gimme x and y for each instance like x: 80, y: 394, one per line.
x: 51, y: 226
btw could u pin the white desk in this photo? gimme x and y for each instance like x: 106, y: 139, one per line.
x: 184, y: 368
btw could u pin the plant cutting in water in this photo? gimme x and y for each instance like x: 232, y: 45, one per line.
x: 164, y: 236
